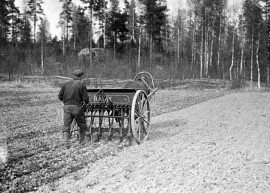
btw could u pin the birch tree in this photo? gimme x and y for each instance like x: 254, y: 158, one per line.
x: 233, y: 20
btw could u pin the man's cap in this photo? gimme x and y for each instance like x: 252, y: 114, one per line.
x: 78, y: 73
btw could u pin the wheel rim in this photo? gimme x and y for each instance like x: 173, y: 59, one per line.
x: 140, y: 116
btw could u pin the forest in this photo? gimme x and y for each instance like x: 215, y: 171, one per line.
x: 204, y: 39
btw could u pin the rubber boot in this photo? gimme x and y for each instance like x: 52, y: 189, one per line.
x: 66, y: 139
x: 87, y: 137
x: 82, y: 135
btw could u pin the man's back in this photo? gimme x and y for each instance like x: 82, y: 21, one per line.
x: 73, y: 92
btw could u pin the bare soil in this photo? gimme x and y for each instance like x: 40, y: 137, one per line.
x: 204, y: 138
x: 31, y: 149
x: 219, y: 145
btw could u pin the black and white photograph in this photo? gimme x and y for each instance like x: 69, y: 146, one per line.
x: 135, y: 96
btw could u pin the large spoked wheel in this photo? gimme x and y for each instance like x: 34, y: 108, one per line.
x: 140, y: 117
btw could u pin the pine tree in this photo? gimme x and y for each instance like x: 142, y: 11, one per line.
x: 132, y: 19
x: 35, y: 12
x: 253, y: 20
x: 25, y: 31
x: 75, y: 20
x: 154, y: 21
x: 116, y: 28
x: 83, y: 29
x: 266, y: 36
x: 178, y: 33
x: 65, y: 21
x: 14, y: 21
x: 100, y: 13
x: 4, y: 22
x: 92, y: 5
x: 154, y: 18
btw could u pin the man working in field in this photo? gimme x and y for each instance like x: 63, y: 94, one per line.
x: 73, y: 94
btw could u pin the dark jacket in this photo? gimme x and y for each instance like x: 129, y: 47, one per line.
x: 73, y: 92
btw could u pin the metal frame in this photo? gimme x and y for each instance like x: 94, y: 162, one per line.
x: 126, y: 113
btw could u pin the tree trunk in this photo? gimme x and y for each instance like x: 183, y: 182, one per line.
x: 29, y: 60
x: 192, y: 52
x: 218, y: 51
x: 12, y: 30
x: 211, y: 49
x: 241, y: 59
x: 133, y: 24
x: 104, y: 33
x: 202, y: 53
x: 91, y: 35
x: 232, y: 57
x: 178, y: 47
x: 34, y: 31
x: 67, y: 31
x: 223, y: 45
x: 42, y: 54
x: 258, y: 64
x: 9, y: 70
x: 74, y: 37
x: 251, y: 59
x: 151, y: 50
x: 244, y: 67
x: 193, y: 49
x: 268, y: 72
x: 206, y: 53
x: 139, y: 49
x: 64, y: 46
x: 114, y: 46
x: 204, y: 41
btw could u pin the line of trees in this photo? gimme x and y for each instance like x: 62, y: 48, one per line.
x: 205, y: 38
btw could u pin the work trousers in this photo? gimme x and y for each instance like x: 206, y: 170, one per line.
x: 72, y: 112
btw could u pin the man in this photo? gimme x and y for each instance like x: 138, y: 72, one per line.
x: 73, y: 94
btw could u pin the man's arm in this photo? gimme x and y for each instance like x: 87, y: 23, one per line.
x: 85, y: 94
x: 61, y: 93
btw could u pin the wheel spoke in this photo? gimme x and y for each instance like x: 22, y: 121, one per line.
x: 146, y: 121
x: 143, y: 102
x: 139, y: 134
x: 138, y: 120
x: 144, y: 130
x: 137, y: 113
x: 139, y: 105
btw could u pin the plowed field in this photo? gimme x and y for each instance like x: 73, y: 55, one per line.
x: 202, y: 140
